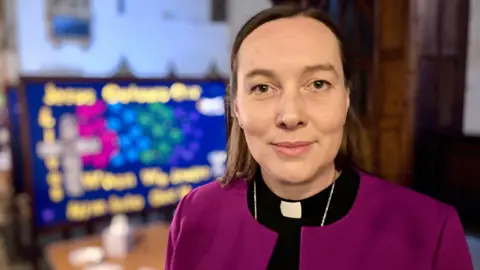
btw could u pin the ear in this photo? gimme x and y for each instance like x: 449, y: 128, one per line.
x: 237, y: 113
x: 233, y: 104
x: 347, y: 99
x: 235, y: 110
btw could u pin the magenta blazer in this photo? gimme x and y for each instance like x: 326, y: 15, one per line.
x: 388, y: 227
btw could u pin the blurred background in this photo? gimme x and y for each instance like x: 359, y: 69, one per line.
x: 117, y: 107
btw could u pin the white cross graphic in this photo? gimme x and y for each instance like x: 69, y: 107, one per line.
x: 69, y: 149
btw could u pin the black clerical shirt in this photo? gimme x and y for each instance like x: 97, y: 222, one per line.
x: 286, y: 254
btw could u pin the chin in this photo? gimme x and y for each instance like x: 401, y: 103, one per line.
x: 294, y: 175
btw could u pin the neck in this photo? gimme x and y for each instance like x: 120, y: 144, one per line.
x: 298, y: 191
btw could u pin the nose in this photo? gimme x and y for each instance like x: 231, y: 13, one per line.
x: 291, y: 112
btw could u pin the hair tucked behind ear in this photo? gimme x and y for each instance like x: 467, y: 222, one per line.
x: 354, y: 151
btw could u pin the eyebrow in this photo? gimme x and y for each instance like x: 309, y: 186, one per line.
x: 306, y: 70
x: 320, y: 67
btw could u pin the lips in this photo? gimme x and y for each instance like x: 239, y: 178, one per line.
x: 292, y: 149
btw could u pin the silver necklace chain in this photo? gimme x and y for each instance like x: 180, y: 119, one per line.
x: 324, y: 213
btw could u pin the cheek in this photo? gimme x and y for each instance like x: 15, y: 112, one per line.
x: 256, y: 119
x: 329, y: 125
x: 328, y: 120
x: 255, y: 126
x: 257, y: 123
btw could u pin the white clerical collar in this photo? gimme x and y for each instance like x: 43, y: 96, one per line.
x: 291, y: 209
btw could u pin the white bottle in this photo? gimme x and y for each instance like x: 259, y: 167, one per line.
x: 117, y: 238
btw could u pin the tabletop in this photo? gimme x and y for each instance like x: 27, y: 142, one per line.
x: 147, y: 253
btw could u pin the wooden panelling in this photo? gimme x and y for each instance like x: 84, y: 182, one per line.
x: 392, y: 54
x: 392, y: 99
x: 390, y: 155
x: 392, y: 24
x: 394, y: 83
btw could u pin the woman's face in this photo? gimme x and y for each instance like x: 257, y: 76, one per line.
x: 291, y: 99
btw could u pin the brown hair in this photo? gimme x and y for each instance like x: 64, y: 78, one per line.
x: 240, y: 162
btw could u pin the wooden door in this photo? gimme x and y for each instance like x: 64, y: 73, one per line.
x: 393, y: 91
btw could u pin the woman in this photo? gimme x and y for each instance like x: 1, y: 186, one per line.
x: 292, y: 197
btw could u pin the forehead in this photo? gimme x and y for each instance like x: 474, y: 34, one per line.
x: 290, y: 42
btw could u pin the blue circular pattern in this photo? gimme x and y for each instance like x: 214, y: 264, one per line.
x: 129, y: 116
x: 144, y: 143
x: 132, y: 155
x: 114, y: 124
x: 135, y: 131
x: 115, y: 108
x: 156, y: 133
x: 118, y: 160
x: 125, y: 141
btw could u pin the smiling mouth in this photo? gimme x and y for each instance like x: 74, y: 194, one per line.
x: 292, y: 149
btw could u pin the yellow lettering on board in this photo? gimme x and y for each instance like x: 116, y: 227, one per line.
x: 154, y: 177
x: 49, y: 135
x: 98, y: 208
x: 119, y: 182
x: 183, y: 190
x: 52, y: 163
x: 113, y: 93
x: 54, y: 179
x: 96, y: 180
x: 84, y: 210
x: 74, y: 211
x: 158, y: 197
x: 91, y: 180
x: 127, y: 203
x: 68, y: 96
x: 45, y: 118
x: 194, y: 174
x: 56, y: 194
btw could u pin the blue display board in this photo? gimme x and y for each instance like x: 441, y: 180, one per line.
x: 105, y: 147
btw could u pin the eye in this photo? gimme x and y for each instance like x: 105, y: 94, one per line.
x: 319, y: 85
x: 260, y: 88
